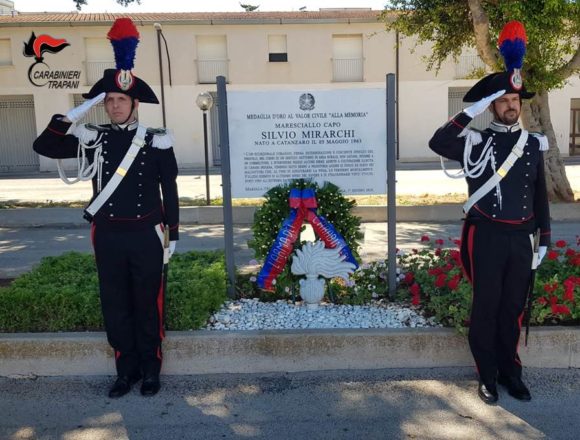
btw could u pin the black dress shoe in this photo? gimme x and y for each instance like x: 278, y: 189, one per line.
x: 123, y: 385
x: 487, y: 393
x: 150, y: 385
x: 516, y: 387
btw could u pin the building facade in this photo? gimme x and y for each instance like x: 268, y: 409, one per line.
x: 48, y: 60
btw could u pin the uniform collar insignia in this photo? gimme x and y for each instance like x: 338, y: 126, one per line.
x: 502, y: 128
x: 128, y: 127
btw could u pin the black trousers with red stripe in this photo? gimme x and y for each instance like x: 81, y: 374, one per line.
x: 130, y: 265
x: 497, y: 258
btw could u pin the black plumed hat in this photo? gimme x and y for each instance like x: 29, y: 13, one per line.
x: 124, y: 37
x: 512, y: 46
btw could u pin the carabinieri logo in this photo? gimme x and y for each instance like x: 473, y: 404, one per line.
x: 39, y: 73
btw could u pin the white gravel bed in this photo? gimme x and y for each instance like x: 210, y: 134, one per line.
x: 251, y: 314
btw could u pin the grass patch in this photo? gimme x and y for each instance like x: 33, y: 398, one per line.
x: 62, y: 294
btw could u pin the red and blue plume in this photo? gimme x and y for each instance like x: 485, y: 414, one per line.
x: 512, y: 45
x: 124, y: 38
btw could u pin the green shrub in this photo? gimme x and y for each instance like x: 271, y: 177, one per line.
x: 62, y: 294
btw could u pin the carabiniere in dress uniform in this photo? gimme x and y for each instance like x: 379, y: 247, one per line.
x: 134, y: 210
x: 507, y: 205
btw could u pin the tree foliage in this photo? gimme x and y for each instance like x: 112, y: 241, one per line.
x: 552, y: 26
x: 553, y: 51
x: 80, y: 3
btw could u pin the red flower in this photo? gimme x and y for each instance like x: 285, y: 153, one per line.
x: 438, y: 252
x: 552, y: 255
x: 435, y: 271
x: 440, y: 281
x: 560, y: 309
x: 439, y: 242
x: 425, y: 238
x: 415, y: 251
x: 454, y: 282
x: 569, y: 289
x: 570, y: 252
x: 542, y: 300
x: 561, y: 243
x: 415, y: 294
x: 409, y: 277
x: 575, y: 261
x: 457, y: 242
x: 550, y: 288
x: 415, y: 289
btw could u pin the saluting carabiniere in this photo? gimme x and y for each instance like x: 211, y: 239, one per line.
x: 508, y: 203
x: 134, y: 207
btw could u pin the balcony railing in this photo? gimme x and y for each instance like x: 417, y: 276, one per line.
x: 95, y: 70
x: 207, y: 70
x: 347, y: 69
x: 467, y: 65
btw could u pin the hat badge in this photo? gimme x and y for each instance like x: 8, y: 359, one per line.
x: 124, y: 79
x: 516, y: 80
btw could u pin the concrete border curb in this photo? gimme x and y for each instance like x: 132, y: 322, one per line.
x: 244, y: 215
x: 205, y: 352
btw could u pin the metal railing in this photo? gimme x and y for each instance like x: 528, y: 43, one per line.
x: 207, y: 70
x: 467, y: 65
x: 95, y: 70
x: 347, y: 69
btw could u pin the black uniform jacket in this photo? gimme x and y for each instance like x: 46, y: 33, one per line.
x: 523, y: 190
x: 137, y: 202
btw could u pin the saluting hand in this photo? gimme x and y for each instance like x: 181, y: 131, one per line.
x: 479, y: 107
x: 77, y: 113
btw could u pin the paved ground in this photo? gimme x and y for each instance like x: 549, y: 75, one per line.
x: 21, y: 249
x: 416, y: 179
x: 379, y: 404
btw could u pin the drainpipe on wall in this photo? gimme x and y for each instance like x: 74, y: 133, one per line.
x: 397, y: 92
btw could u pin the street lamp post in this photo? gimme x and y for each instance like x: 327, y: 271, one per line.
x: 204, y: 101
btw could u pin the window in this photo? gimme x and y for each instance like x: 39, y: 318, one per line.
x: 456, y: 104
x: 277, y: 49
x: 5, y: 52
x: 100, y: 56
x: 347, y: 58
x: 212, y: 58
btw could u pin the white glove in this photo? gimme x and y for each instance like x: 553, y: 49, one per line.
x: 77, y: 113
x: 542, y: 253
x: 479, y: 107
x: 172, y: 245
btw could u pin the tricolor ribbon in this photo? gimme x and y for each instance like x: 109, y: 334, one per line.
x: 302, y: 207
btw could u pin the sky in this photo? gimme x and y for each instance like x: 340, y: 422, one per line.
x: 192, y: 5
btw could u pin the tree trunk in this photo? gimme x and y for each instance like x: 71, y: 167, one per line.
x: 536, y: 117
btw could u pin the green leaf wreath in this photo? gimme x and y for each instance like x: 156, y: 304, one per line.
x: 268, y: 219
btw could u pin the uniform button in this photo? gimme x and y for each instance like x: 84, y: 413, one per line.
x: 106, y: 161
x: 138, y: 216
x: 104, y: 142
x: 494, y: 216
x: 525, y: 186
x: 104, y: 152
x: 527, y: 174
x: 523, y: 218
x: 142, y: 174
x: 526, y: 144
x: 110, y: 204
x: 111, y: 215
x: 139, y: 204
x: 527, y: 163
x: 144, y: 152
x: 140, y: 184
x: 525, y: 197
x: 495, y: 194
x: 528, y: 153
x: 106, y: 172
x: 140, y: 195
x: 524, y: 207
x: 143, y: 163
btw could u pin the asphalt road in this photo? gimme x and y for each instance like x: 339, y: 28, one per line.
x: 379, y: 404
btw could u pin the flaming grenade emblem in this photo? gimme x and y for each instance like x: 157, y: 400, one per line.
x: 37, y: 47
